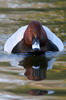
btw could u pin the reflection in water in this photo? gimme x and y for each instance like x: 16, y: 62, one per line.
x: 40, y: 92
x: 36, y: 67
x: 37, y: 92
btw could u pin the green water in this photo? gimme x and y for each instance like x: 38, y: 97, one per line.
x: 17, y: 77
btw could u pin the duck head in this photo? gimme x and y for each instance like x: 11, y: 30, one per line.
x: 35, y: 36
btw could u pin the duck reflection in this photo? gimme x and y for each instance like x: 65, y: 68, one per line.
x: 37, y: 92
x: 36, y: 67
x: 40, y: 92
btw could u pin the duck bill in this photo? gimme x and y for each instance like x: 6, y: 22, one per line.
x: 36, y: 45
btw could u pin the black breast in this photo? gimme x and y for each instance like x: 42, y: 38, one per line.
x: 50, y: 46
x: 21, y: 47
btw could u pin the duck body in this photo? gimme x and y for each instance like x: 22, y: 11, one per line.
x: 33, y: 38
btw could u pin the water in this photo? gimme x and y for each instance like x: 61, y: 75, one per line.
x: 27, y: 77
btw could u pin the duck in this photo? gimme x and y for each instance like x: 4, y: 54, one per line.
x: 33, y: 37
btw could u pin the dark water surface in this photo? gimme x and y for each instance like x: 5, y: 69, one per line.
x: 27, y: 77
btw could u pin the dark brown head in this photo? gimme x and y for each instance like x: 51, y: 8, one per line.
x: 35, y: 36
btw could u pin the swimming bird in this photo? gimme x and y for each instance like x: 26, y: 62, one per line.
x: 33, y: 37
